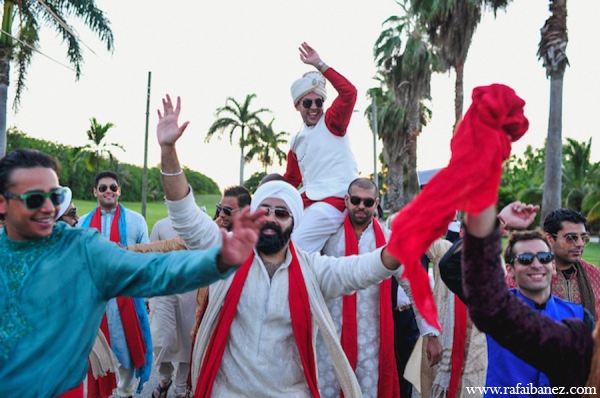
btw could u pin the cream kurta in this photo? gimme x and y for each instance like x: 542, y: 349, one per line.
x: 261, y: 357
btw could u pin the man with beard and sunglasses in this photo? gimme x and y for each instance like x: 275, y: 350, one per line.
x: 365, y: 319
x: 55, y: 280
x: 257, y: 335
x: 127, y: 323
x: 320, y: 158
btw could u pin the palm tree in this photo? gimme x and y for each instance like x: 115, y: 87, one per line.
x: 91, y: 154
x: 580, y: 176
x: 552, y: 50
x: 265, y: 142
x: 19, y: 47
x: 451, y: 25
x: 234, y: 116
x: 406, y: 62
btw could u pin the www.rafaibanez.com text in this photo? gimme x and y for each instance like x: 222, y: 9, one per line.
x: 530, y: 389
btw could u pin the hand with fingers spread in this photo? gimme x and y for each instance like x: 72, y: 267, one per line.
x: 168, y: 130
x: 308, y: 55
x: 518, y: 215
x: 238, y: 246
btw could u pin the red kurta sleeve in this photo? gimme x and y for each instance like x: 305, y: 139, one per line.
x: 337, y: 117
x: 292, y: 172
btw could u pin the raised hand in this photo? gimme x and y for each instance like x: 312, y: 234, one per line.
x: 168, y: 130
x: 519, y: 215
x: 238, y: 246
x: 308, y: 55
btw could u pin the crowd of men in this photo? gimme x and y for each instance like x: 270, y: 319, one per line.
x: 295, y: 290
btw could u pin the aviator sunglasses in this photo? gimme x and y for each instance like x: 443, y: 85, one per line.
x: 281, y: 213
x: 527, y: 258
x: 307, y: 103
x: 228, y: 211
x: 355, y: 200
x: 113, y: 187
x: 35, y: 200
x: 572, y: 239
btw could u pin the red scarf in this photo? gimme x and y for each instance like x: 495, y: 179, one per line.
x: 131, y: 325
x: 301, y: 325
x: 387, y: 385
x: 458, y: 345
x: 469, y: 183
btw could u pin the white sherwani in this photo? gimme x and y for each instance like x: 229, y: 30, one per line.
x: 261, y: 358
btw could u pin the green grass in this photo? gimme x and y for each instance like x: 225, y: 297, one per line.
x: 154, y: 210
x: 591, y: 254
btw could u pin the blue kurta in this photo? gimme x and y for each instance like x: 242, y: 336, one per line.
x: 53, y: 292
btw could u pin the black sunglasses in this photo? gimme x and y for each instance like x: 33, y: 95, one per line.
x: 355, y: 200
x: 228, y: 211
x: 280, y: 212
x: 35, y: 200
x: 527, y: 258
x: 307, y: 103
x: 113, y: 187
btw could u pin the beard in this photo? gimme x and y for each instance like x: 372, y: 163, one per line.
x: 270, y: 244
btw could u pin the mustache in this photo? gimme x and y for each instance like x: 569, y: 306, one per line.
x: 271, y: 225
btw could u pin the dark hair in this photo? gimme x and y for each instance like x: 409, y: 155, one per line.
x: 106, y: 174
x: 240, y: 193
x: 519, y: 236
x: 553, y: 221
x: 24, y: 159
x: 364, y: 183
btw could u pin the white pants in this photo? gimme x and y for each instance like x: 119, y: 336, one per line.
x: 127, y: 382
x: 166, y: 371
x: 319, y: 222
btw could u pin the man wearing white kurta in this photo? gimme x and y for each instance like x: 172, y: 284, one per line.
x: 261, y: 352
x: 361, y: 203
x: 171, y: 322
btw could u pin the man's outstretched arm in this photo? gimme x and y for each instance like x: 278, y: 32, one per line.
x: 168, y: 131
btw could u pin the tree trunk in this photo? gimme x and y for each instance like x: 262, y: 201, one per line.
x: 4, y: 80
x: 458, y: 94
x: 551, y: 199
x: 242, y: 160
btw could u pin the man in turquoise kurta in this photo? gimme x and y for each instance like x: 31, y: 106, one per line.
x: 55, y: 281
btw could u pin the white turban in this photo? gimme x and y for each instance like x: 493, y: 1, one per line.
x: 311, y: 81
x: 65, y: 203
x: 280, y: 190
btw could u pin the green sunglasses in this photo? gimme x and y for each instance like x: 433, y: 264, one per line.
x: 35, y: 200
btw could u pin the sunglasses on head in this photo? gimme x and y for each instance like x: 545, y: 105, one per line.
x: 35, y: 200
x: 355, y: 200
x: 307, y: 103
x: 281, y: 213
x: 228, y: 211
x: 113, y: 187
x: 527, y: 258
x: 572, y: 239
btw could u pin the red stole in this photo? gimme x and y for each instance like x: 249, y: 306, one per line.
x: 387, y: 384
x: 131, y: 325
x: 458, y: 345
x: 469, y: 183
x: 301, y: 325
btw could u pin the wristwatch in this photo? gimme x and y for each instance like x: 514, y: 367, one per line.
x: 431, y: 334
